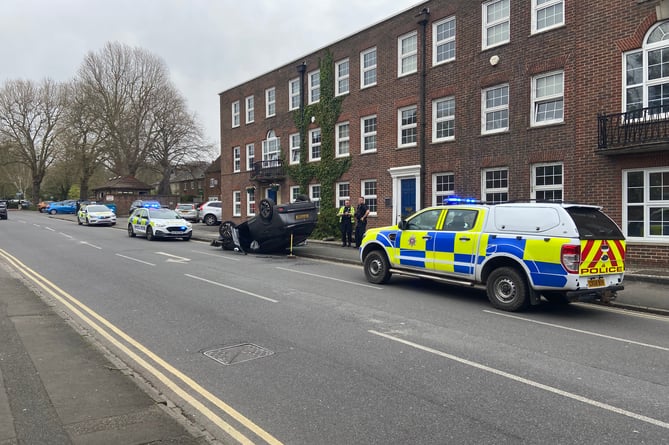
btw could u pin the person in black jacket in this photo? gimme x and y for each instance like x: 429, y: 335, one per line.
x: 361, y: 214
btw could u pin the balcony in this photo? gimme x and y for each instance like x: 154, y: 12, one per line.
x: 638, y: 131
x: 268, y: 171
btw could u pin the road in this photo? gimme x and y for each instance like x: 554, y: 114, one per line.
x: 272, y: 349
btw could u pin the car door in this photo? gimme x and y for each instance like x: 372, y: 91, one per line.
x: 456, y: 244
x: 141, y: 221
x: 414, y: 244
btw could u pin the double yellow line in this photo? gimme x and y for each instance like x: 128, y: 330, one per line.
x: 124, y: 343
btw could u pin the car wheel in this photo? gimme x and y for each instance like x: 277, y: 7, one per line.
x: 225, y: 231
x: 52, y: 212
x: 507, y: 290
x: 149, y: 234
x: 210, y: 220
x: 266, y: 209
x: 131, y: 231
x: 377, y: 268
x: 79, y: 221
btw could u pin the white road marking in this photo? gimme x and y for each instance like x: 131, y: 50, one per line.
x: 232, y: 288
x: 325, y: 277
x: 49, y: 228
x: 519, y: 379
x: 66, y: 235
x: 174, y: 258
x: 225, y: 257
x: 580, y: 331
x: 623, y: 311
x: 91, y: 245
x: 135, y: 259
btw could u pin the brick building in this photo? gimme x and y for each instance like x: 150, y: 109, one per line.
x: 498, y: 99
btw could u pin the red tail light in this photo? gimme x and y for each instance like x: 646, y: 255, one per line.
x: 570, y: 257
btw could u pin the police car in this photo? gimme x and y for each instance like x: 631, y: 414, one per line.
x: 158, y: 223
x: 96, y: 214
x: 518, y: 251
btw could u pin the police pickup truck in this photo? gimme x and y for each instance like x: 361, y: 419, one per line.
x: 518, y: 251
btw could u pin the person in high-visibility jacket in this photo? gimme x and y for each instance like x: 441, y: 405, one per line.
x: 346, y: 223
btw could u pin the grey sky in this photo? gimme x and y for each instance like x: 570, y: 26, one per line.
x: 208, y: 45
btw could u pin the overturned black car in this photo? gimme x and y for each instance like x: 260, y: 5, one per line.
x: 273, y: 229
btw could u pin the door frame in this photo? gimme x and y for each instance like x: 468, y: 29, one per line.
x: 397, y: 174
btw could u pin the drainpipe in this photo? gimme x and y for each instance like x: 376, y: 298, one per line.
x: 424, y: 16
x: 302, y: 69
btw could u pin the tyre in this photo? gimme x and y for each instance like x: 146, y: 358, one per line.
x: 79, y: 221
x: 507, y: 289
x: 225, y: 231
x: 52, y: 212
x: 266, y: 209
x: 131, y: 231
x: 210, y: 219
x: 186, y: 238
x: 149, y: 234
x: 377, y: 268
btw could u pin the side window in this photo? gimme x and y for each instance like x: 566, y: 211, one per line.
x: 425, y: 221
x: 460, y: 219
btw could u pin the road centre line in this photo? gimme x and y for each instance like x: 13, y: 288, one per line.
x: 580, y: 331
x: 329, y: 278
x: 231, y: 288
x: 66, y: 235
x: 622, y: 311
x: 135, y: 259
x: 174, y: 258
x: 225, y: 257
x: 78, y: 308
x: 91, y: 245
x: 49, y: 228
x: 525, y: 381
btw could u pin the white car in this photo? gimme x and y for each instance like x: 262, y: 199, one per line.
x: 158, y: 223
x: 96, y: 214
x: 210, y: 212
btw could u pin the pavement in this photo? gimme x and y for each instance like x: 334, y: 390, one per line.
x: 59, y: 386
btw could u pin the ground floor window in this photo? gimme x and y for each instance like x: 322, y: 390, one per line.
x: 369, y: 194
x: 547, y: 182
x: 646, y: 204
x: 237, y: 203
x: 443, y: 185
x: 250, y: 202
x: 315, y: 195
x: 343, y: 193
x: 495, y: 185
x: 294, y: 192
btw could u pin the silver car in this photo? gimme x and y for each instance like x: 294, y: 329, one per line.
x: 187, y: 212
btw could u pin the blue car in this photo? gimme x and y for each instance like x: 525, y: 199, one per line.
x: 69, y: 206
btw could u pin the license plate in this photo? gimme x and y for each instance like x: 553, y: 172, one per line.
x: 300, y: 216
x: 596, y: 282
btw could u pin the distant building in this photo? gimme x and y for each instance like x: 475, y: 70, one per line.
x: 212, y: 181
x: 187, y: 181
x: 499, y: 100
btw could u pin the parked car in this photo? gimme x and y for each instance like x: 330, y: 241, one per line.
x: 188, y: 211
x: 42, y: 205
x: 3, y: 209
x: 147, y: 204
x: 96, y: 214
x: 158, y: 223
x: 69, y: 207
x: 210, y: 212
x: 273, y: 229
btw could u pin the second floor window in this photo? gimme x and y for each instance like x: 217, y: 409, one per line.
x: 315, y: 144
x: 235, y: 114
x: 547, y: 98
x: 342, y: 139
x: 341, y: 77
x: 407, y: 126
x: 368, y: 68
x: 368, y: 134
x: 495, y: 109
x: 270, y: 102
x: 496, y: 16
x: 443, y: 41
x: 443, y: 119
x: 250, y: 156
x: 250, y: 110
x: 236, y: 159
x: 294, y: 94
x: 407, y: 54
x: 314, y: 86
x: 547, y: 14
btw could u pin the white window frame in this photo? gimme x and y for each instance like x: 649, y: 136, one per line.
x: 250, y: 109
x: 294, y: 148
x: 485, y: 190
x: 539, y: 8
x: 236, y: 203
x: 368, y: 69
x: 294, y: 92
x: 236, y: 159
x: 554, y: 96
x: 314, y: 80
x: 404, y: 127
x: 494, y: 108
x: 342, y: 80
x: 489, y: 26
x: 212, y: 183
x: 236, y: 114
x: 646, y: 203
x: 315, y: 195
x: 407, y: 54
x: 251, y: 202
x: 250, y: 156
x: 270, y: 102
x: 364, y: 135
x: 313, y: 144
x: 371, y: 199
x: 294, y: 192
x: 343, y: 140
x: 448, y: 40
x: 341, y: 195
x: 552, y: 187
x: 438, y: 195
x: 271, y: 147
x: 441, y: 118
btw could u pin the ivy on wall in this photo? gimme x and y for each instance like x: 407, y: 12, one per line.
x: 329, y: 169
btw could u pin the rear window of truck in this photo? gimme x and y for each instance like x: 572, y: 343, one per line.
x: 592, y: 223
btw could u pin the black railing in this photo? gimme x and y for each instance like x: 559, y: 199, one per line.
x: 267, y: 171
x: 646, y: 126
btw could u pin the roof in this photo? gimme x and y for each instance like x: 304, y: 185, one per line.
x: 189, y: 172
x: 124, y: 183
x: 214, y: 167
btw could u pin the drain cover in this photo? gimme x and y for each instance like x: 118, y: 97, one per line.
x: 244, y: 352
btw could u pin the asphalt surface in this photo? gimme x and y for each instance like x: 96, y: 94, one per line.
x: 58, y: 387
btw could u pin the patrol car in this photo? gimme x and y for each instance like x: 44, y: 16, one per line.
x: 158, y: 223
x: 518, y: 251
x: 96, y: 214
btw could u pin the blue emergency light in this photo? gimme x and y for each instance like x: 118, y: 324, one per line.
x: 449, y: 200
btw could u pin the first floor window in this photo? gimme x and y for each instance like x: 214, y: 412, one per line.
x: 443, y: 119
x: 294, y: 148
x: 495, y: 185
x: 237, y: 203
x: 250, y: 156
x: 646, y: 204
x: 443, y: 41
x: 368, y: 189
x: 547, y: 14
x: 547, y: 182
x: 271, y: 150
x: 443, y: 186
x: 342, y: 139
x: 407, y: 54
x: 343, y: 193
x: 368, y: 134
x: 495, y: 109
x: 407, y: 126
x: 250, y: 202
x: 315, y: 195
x: 547, y: 98
x: 315, y: 144
x: 236, y: 159
x: 496, y: 27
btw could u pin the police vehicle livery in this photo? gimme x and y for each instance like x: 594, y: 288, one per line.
x: 158, y: 223
x: 519, y: 251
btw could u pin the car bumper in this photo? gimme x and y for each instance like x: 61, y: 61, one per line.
x: 166, y: 233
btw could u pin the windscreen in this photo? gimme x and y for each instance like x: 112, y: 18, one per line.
x: 594, y: 224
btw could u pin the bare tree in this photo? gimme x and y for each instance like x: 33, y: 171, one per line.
x: 29, y: 117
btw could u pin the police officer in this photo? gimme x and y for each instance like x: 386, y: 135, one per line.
x: 346, y: 223
x: 361, y: 214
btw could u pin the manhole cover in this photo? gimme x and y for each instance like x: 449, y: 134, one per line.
x: 231, y: 355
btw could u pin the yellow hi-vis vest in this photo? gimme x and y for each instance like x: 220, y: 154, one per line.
x: 342, y: 209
